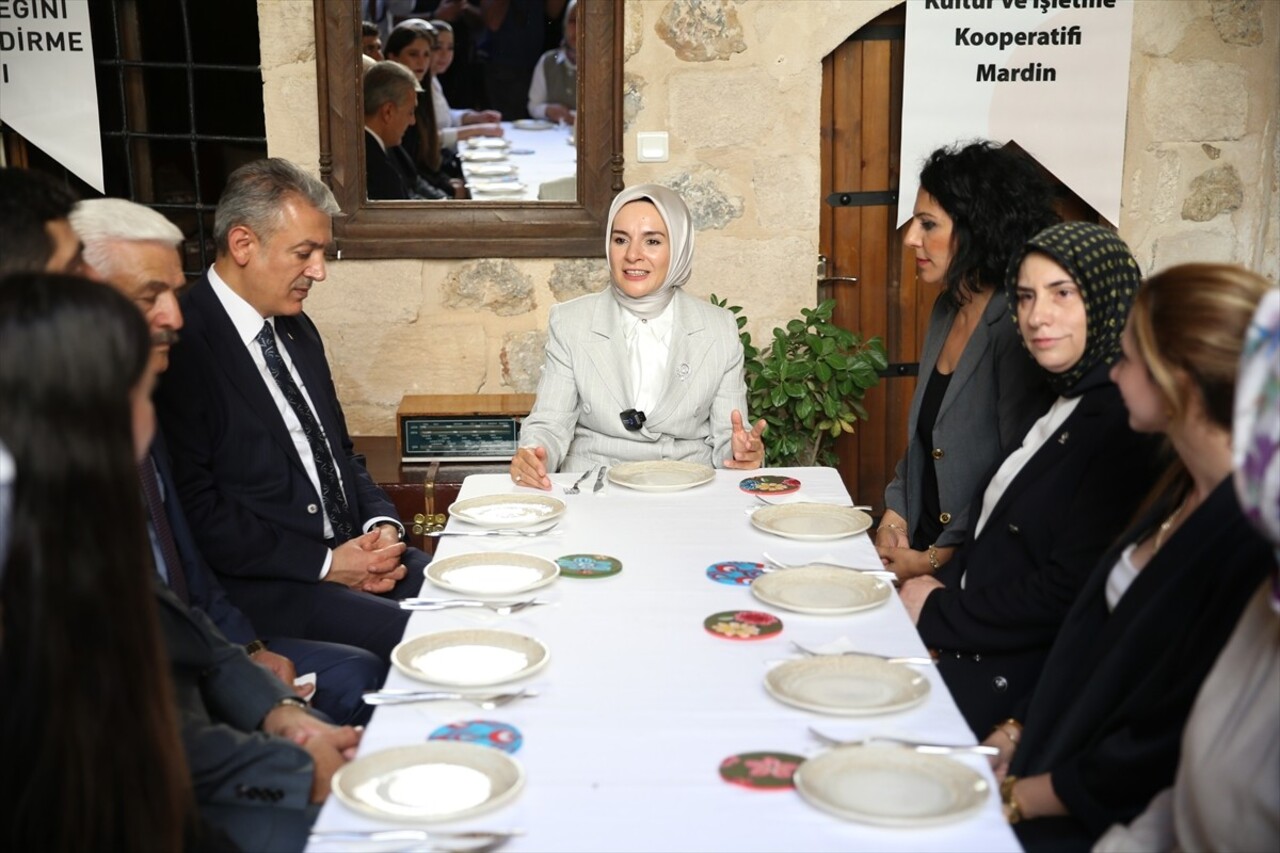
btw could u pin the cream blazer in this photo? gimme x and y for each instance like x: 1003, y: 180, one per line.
x: 586, y: 385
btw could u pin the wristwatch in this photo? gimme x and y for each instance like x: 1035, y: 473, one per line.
x: 292, y: 700
x: 253, y: 647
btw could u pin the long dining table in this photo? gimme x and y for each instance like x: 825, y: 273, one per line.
x: 529, y: 154
x: 639, y: 703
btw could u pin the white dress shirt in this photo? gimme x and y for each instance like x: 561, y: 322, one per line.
x: 649, y: 345
x: 248, y: 323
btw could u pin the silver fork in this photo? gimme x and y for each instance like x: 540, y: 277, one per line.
x: 474, y: 841
x: 502, y: 608
x: 916, y: 659
x: 574, y: 489
x: 781, y: 565
x: 486, y: 702
x: 929, y: 748
x: 778, y: 564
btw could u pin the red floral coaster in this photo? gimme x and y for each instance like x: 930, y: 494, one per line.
x: 770, y: 484
x: 743, y: 625
x: 766, y: 771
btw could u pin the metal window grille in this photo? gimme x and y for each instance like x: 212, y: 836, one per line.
x: 180, y: 107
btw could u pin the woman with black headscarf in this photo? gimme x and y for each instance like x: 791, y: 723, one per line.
x: 1055, y: 503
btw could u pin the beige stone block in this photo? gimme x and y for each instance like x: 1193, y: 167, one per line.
x: 522, y: 357
x: 770, y: 278
x: 701, y: 30
x: 1193, y: 246
x: 1195, y: 101
x: 726, y: 108
x: 708, y: 194
x: 786, y: 192
x: 287, y: 32
x: 1238, y: 21
x: 576, y: 277
x: 291, y: 110
x: 1158, y: 28
x: 364, y: 293
x: 1213, y: 192
x: 493, y: 285
x: 633, y: 28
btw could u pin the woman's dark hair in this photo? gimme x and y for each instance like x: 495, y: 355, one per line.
x: 997, y: 199
x: 422, y: 138
x: 92, y: 757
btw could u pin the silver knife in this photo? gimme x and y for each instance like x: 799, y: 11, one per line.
x: 599, y: 479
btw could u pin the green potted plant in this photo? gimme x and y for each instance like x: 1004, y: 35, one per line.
x: 808, y: 384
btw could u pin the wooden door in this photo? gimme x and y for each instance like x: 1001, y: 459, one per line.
x: 861, y: 129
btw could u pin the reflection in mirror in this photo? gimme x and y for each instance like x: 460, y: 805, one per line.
x: 468, y: 180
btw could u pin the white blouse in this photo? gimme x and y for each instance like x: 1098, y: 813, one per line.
x: 649, y: 346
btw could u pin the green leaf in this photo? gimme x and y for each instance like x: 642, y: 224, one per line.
x: 778, y: 395
x: 804, y: 407
x: 823, y: 371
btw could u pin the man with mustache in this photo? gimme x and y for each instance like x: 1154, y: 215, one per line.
x: 135, y: 250
x: 281, y: 506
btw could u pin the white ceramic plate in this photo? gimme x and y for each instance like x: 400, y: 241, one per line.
x: 476, y: 657
x: 847, y: 685
x: 482, y: 155
x: 505, y: 188
x: 492, y: 573
x: 889, y: 786
x: 508, y: 511
x: 532, y: 124
x: 429, y: 782
x: 811, y: 521
x: 821, y: 590
x: 662, y: 476
x: 489, y: 170
x: 488, y: 142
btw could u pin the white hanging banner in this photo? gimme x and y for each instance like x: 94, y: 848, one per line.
x: 47, y: 88
x: 1050, y: 75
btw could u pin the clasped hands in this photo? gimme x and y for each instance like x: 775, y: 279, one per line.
x: 329, y: 746
x: 369, y: 562
x: 529, y: 465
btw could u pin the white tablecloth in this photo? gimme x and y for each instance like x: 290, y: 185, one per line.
x: 639, y: 703
x: 539, y: 156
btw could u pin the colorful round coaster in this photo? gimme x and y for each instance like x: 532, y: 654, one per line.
x: 770, y: 484
x: 484, y: 732
x: 743, y: 624
x: 588, y: 566
x: 765, y: 771
x: 735, y: 572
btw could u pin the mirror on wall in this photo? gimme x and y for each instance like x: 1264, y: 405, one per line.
x: 534, y: 186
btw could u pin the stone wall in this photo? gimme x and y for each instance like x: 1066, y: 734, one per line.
x: 736, y: 83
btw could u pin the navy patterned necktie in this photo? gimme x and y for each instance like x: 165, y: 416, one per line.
x: 335, y: 502
x: 173, y: 569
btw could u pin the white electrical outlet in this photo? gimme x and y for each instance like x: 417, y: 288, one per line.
x: 651, y: 147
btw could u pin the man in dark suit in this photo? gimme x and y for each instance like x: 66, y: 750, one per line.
x: 281, y: 506
x: 33, y: 223
x: 390, y: 98
x: 134, y: 249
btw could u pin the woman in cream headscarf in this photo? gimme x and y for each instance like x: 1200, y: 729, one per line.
x: 640, y: 371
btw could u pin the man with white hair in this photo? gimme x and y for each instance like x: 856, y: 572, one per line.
x: 135, y: 250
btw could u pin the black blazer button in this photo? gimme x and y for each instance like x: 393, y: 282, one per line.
x: 977, y: 658
x: 938, y: 453
x: 999, y: 684
x: 1014, y: 530
x: 945, y: 518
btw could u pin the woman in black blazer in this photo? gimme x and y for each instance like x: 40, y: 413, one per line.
x: 1046, y: 514
x: 1103, y: 728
